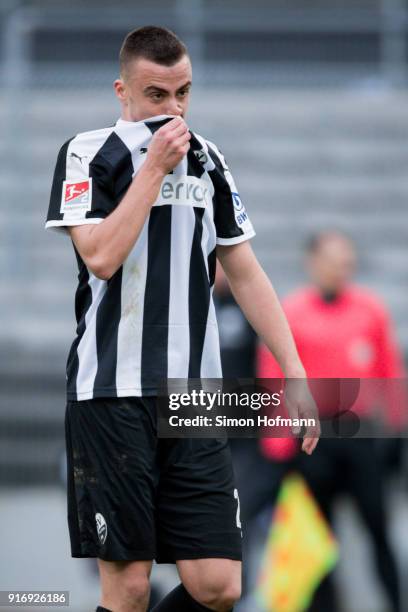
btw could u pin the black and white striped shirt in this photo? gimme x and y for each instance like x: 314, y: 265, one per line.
x: 155, y: 318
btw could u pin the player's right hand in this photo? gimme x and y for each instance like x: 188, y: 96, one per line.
x: 300, y: 404
x: 169, y: 145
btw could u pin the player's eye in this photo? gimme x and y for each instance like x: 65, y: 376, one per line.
x: 156, y: 96
x: 183, y: 93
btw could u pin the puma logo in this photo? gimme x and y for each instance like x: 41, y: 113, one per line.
x: 78, y: 157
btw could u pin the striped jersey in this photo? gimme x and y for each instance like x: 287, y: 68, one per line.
x: 154, y: 319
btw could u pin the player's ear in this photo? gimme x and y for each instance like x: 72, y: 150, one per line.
x: 120, y: 89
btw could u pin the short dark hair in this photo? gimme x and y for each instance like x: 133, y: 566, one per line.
x: 153, y: 43
x: 315, y: 241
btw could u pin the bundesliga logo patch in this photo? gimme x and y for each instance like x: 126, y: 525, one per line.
x: 76, y: 197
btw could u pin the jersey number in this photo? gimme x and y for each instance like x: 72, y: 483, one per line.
x: 236, y: 496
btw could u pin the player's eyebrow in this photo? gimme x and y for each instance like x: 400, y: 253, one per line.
x: 154, y: 88
x: 188, y: 84
x: 161, y: 90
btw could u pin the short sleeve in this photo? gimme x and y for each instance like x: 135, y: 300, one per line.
x: 80, y: 192
x: 230, y: 216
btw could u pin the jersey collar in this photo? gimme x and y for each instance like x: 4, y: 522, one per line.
x: 124, y: 122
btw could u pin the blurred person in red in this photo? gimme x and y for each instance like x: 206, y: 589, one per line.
x: 344, y: 331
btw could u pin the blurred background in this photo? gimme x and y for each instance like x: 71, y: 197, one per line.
x: 308, y: 101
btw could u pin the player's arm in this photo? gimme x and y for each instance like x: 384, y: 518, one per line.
x: 104, y: 247
x: 258, y: 300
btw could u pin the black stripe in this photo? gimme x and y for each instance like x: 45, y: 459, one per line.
x: 224, y: 215
x: 155, y: 125
x: 198, y: 298
x: 83, y: 301
x: 194, y: 166
x: 157, y: 298
x: 212, y: 266
x: 107, y: 327
x: 111, y: 170
x: 60, y: 175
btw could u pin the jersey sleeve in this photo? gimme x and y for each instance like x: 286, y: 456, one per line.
x: 80, y: 192
x: 230, y: 216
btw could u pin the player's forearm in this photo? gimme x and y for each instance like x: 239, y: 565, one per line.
x: 112, y: 240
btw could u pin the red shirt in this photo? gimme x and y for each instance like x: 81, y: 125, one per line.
x: 351, y: 337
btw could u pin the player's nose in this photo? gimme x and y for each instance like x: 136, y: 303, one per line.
x: 174, y: 108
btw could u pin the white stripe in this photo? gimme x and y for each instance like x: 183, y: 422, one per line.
x: 135, y: 136
x: 181, y: 168
x: 84, y: 146
x: 87, y: 354
x: 208, y: 241
x: 61, y: 226
x: 130, y: 331
x: 211, y: 359
x: 237, y: 239
x: 182, y: 232
x: 178, y: 342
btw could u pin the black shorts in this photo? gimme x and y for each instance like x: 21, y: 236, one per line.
x: 132, y: 496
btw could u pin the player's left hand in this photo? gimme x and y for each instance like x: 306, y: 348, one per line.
x: 301, y: 405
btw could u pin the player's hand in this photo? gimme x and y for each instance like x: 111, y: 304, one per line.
x: 301, y: 405
x: 169, y: 145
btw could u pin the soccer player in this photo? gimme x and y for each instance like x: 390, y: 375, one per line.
x: 149, y: 206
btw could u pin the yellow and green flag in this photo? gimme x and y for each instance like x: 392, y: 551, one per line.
x: 300, y: 550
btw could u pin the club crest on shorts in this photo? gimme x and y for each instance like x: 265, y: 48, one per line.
x: 101, y: 527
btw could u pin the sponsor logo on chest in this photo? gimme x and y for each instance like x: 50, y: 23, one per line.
x: 184, y: 191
